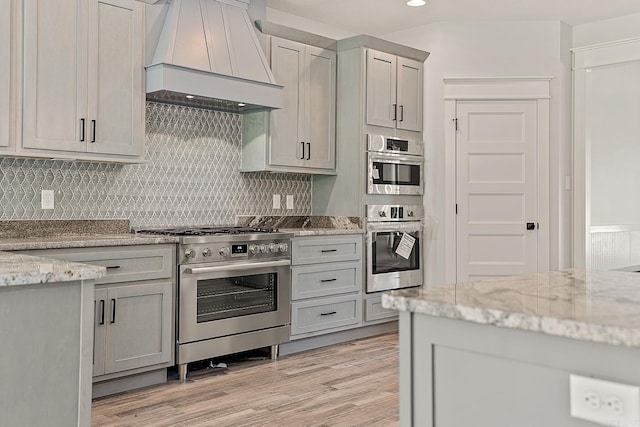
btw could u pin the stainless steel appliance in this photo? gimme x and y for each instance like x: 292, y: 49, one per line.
x: 234, y: 291
x: 394, y: 247
x: 394, y: 165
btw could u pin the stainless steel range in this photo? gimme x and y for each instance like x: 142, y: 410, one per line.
x: 234, y: 291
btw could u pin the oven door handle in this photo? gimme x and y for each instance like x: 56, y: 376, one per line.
x: 236, y: 267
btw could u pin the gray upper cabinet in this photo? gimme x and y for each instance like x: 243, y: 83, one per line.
x: 303, y: 132
x: 83, y: 78
x: 5, y: 67
x: 394, y: 91
x: 301, y: 136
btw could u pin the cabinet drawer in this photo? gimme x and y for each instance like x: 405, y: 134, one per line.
x: 318, y: 249
x: 325, y: 313
x: 123, y: 263
x: 311, y: 281
x: 373, y: 310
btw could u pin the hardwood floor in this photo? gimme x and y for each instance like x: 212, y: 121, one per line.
x: 351, y: 384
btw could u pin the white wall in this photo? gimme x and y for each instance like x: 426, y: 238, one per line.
x: 304, y: 24
x: 608, y: 30
x: 496, y: 49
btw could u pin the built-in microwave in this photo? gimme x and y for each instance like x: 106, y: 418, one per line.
x: 394, y: 165
x: 394, y: 174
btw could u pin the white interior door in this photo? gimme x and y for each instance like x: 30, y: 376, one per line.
x: 496, y: 189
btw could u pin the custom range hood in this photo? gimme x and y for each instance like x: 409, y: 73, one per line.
x: 209, y: 56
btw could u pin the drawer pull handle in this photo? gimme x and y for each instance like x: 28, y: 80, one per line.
x: 324, y: 251
x: 327, y: 280
x: 328, y: 313
x: 113, y: 267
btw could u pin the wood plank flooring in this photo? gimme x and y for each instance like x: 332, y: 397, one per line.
x: 351, y: 384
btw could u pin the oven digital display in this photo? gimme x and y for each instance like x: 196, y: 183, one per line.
x: 239, y: 250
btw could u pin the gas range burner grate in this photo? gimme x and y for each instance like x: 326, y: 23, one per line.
x: 205, y: 231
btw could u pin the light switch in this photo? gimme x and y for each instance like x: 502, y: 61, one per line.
x: 289, y: 201
x: 47, y: 199
x: 276, y: 201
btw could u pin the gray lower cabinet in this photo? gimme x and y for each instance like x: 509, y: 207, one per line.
x: 326, y: 280
x: 133, y: 312
x: 374, y: 312
x: 132, y: 327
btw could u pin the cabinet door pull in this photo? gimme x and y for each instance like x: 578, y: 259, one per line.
x: 113, y: 310
x: 93, y: 131
x: 402, y: 113
x: 113, y: 267
x: 82, y: 130
x: 395, y: 112
x: 327, y: 280
x: 302, y: 142
x: 308, y: 150
x: 328, y: 313
x: 324, y: 251
x: 101, y: 322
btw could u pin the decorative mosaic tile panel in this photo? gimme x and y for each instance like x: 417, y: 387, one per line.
x: 192, y: 178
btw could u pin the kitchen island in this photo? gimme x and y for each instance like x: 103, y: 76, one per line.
x: 500, y: 353
x: 46, y: 331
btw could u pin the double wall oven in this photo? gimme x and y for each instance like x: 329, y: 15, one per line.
x: 394, y: 212
x: 234, y: 291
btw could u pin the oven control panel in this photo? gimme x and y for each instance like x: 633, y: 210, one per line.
x: 232, y: 251
x: 390, y: 213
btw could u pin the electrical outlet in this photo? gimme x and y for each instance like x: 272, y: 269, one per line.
x: 276, y: 201
x: 604, y: 402
x: 47, y: 199
x: 289, y: 201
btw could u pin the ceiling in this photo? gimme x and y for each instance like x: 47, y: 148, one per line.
x: 379, y: 17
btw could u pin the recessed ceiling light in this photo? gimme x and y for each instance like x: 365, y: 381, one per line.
x: 416, y: 3
x: 241, y: 104
x: 190, y: 96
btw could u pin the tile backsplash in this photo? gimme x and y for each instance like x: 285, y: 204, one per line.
x: 192, y: 178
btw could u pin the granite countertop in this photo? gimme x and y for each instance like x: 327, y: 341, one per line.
x: 598, y: 306
x: 82, y: 241
x: 54, y: 234
x: 17, y: 269
x: 306, y: 225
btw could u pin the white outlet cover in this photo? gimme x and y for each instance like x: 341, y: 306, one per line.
x: 47, y: 199
x: 626, y: 399
x: 276, y: 201
x: 289, y: 201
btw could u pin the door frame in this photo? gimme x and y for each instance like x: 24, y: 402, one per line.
x: 585, y: 58
x: 496, y: 89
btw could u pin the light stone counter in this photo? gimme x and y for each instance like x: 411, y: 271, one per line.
x: 82, y: 241
x: 595, y: 306
x: 306, y: 225
x: 16, y: 270
x: 505, y: 349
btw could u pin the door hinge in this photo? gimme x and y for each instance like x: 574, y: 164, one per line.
x: 456, y: 209
x: 455, y: 123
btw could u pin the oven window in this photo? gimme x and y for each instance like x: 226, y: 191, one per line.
x: 236, y: 296
x: 384, y: 256
x: 396, y: 174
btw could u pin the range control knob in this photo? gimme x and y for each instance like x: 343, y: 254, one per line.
x: 190, y: 253
x: 253, y: 249
x: 264, y: 249
x: 382, y: 214
x: 273, y: 247
x: 206, y: 252
x: 224, y: 251
x: 409, y: 214
x: 283, y: 247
